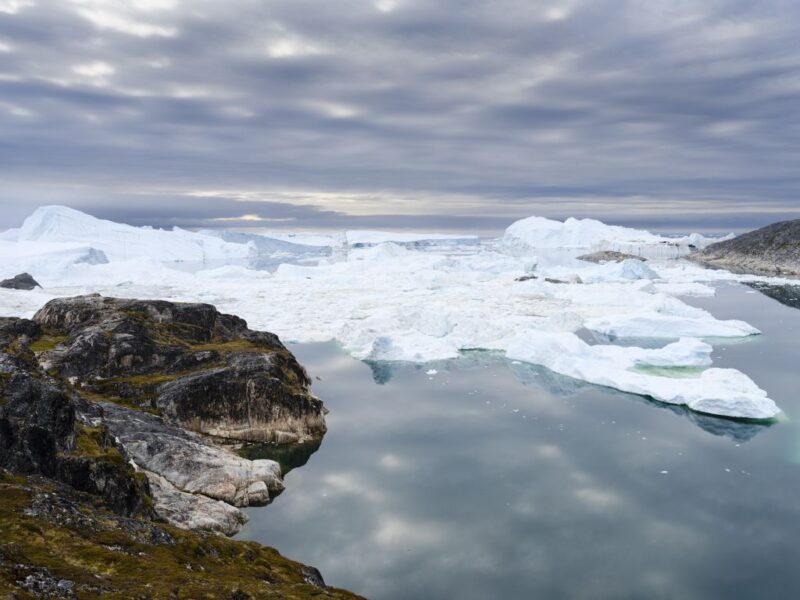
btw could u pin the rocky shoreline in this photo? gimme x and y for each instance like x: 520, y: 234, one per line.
x: 773, y: 250
x: 125, y: 403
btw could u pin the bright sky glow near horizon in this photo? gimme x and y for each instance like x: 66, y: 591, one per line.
x: 666, y: 114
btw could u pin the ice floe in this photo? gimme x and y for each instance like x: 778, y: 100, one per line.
x: 419, y: 297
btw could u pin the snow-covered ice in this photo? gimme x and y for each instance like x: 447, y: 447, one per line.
x: 384, y: 296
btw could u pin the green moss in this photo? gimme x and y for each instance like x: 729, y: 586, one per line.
x: 103, y: 559
x: 229, y: 347
x: 46, y: 343
x: 89, y: 442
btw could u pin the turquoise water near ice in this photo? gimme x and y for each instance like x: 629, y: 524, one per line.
x: 494, y: 479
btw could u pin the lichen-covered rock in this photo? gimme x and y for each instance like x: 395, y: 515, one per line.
x: 23, y: 281
x: 195, y: 366
x: 40, y: 434
x: 771, y: 250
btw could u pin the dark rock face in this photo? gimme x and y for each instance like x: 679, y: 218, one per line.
x: 198, y: 368
x: 23, y: 281
x: 771, y: 250
x: 37, y: 421
x: 40, y: 434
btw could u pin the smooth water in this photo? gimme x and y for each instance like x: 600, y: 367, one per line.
x: 491, y: 479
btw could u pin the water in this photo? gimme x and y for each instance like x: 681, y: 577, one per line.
x: 498, y: 480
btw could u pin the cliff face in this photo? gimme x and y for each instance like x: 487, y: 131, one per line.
x: 105, y: 410
x: 771, y: 250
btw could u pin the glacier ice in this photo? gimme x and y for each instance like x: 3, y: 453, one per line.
x: 419, y: 297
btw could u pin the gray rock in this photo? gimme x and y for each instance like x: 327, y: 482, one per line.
x: 771, y: 250
x: 604, y: 256
x: 193, y: 511
x: 189, y: 462
x: 23, y: 281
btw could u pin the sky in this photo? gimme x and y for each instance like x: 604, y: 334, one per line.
x: 674, y: 115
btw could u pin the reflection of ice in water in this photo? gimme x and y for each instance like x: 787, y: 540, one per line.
x: 565, y: 387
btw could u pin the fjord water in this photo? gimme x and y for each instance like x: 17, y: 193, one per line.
x: 494, y: 479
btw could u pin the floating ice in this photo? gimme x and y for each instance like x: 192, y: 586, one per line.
x: 724, y: 392
x: 384, y: 297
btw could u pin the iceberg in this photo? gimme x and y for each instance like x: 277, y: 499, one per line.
x: 721, y: 392
x: 121, y: 242
x: 395, y: 300
x: 528, y: 235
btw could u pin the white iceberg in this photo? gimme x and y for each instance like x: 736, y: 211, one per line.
x: 117, y: 241
x: 535, y: 233
x: 723, y: 392
x: 392, y: 300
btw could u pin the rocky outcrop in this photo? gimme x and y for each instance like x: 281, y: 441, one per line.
x: 40, y: 433
x: 23, y: 281
x: 771, y: 250
x: 199, y: 369
x: 145, y: 385
x: 60, y: 543
x: 604, y: 256
x: 96, y: 396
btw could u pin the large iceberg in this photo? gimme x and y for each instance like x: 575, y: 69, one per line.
x: 525, y: 295
x: 60, y: 224
x: 536, y: 233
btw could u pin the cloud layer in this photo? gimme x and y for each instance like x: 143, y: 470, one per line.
x: 402, y: 112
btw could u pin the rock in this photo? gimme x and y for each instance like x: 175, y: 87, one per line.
x: 572, y: 279
x: 37, y: 421
x: 771, y: 250
x: 244, y: 400
x: 190, y: 462
x: 78, y: 438
x: 40, y: 434
x: 193, y: 511
x: 604, y: 256
x: 198, y: 368
x: 151, y: 370
x: 23, y: 281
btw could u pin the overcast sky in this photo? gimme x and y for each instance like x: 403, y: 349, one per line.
x: 673, y: 114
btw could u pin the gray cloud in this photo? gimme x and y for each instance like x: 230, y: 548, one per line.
x: 667, y: 114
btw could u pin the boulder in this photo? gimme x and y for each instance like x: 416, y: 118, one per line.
x: 23, y: 281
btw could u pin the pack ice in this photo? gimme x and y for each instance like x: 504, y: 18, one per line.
x: 422, y: 297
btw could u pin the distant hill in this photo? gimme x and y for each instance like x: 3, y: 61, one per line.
x: 771, y: 250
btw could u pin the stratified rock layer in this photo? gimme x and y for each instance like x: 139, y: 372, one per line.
x: 771, y: 250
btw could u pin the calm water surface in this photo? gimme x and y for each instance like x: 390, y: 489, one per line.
x: 491, y: 479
